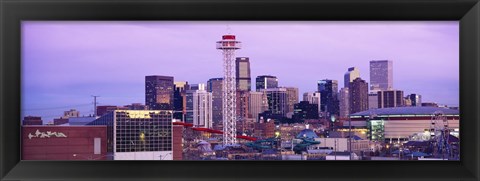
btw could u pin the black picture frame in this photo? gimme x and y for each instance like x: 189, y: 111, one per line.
x: 12, y: 12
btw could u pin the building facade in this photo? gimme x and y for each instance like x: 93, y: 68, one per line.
x: 313, y: 98
x: 64, y: 143
x: 344, y: 102
x: 352, y: 74
x: 266, y: 82
x: 415, y: 99
x: 180, y: 99
x: 138, y: 134
x: 381, y: 75
x: 292, y: 99
x: 304, y: 110
x: 390, y: 98
x: 159, y: 91
x: 329, y: 101
x: 258, y: 103
x: 372, y: 100
x: 244, y: 81
x: 199, y: 107
x: 277, y: 100
x: 358, y: 95
x: 215, y: 86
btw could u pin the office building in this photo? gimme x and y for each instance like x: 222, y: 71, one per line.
x: 329, y: 101
x: 344, y: 102
x: 313, y: 98
x: 258, y: 103
x: 292, y: 99
x: 138, y: 134
x: 215, y: 86
x: 179, y: 99
x: 242, y: 67
x: 277, y: 101
x: 358, y: 95
x: 372, y: 100
x: 381, y: 75
x: 243, y: 105
x: 159, y: 92
x: 32, y: 120
x: 351, y: 75
x: 305, y: 110
x: 199, y: 107
x: 390, y: 98
x: 266, y: 82
x: 71, y: 113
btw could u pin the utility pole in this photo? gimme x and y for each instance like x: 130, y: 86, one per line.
x: 95, y: 105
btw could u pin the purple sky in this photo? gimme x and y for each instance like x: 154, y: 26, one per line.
x: 64, y: 63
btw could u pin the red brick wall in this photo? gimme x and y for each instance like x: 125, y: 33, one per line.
x: 177, y: 142
x: 79, y: 141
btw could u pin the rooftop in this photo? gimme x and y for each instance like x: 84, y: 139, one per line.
x: 406, y: 111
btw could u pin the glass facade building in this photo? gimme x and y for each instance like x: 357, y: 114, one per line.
x: 159, y: 92
x: 328, y: 92
x: 138, y: 134
x: 266, y: 82
x: 381, y: 75
x: 215, y: 86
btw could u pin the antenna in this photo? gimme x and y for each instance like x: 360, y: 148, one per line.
x: 95, y: 105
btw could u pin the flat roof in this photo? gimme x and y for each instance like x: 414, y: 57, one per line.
x: 426, y: 111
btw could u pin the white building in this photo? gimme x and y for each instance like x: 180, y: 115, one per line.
x: 199, y: 107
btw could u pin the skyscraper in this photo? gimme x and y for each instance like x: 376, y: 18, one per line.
x: 277, y: 100
x: 381, y: 75
x: 159, y: 92
x: 344, y: 102
x: 199, y: 107
x: 358, y: 95
x: 243, y: 105
x: 313, y: 98
x: 266, y: 82
x: 179, y: 99
x: 390, y: 98
x: 215, y: 86
x: 351, y: 75
x: 242, y: 67
x: 328, y: 91
x: 258, y: 104
x: 292, y: 99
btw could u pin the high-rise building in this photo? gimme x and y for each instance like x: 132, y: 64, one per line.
x: 266, y: 82
x: 313, y: 98
x: 305, y: 110
x: 258, y: 104
x: 372, y: 100
x: 215, y: 86
x: 179, y: 99
x: 138, y: 134
x: 199, y: 107
x: 243, y: 105
x: 329, y: 101
x: 242, y: 67
x: 159, y: 92
x: 381, y: 75
x: 390, y: 98
x: 358, y: 95
x: 351, y: 75
x: 415, y: 99
x: 277, y: 100
x: 292, y: 99
x: 344, y: 102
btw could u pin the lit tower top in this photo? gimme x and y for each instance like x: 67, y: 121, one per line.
x: 228, y: 45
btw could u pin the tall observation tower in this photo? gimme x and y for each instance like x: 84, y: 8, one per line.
x: 228, y: 45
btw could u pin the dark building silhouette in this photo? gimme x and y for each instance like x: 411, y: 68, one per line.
x: 159, y: 92
x: 305, y: 110
x: 328, y: 94
x: 179, y: 99
x: 32, y: 120
x: 358, y: 95
x: 390, y: 98
x: 215, y: 86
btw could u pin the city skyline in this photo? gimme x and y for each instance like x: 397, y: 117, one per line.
x: 111, y: 59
